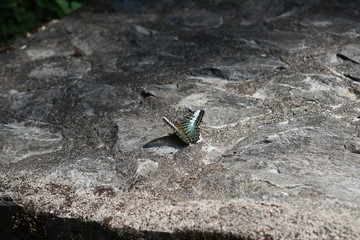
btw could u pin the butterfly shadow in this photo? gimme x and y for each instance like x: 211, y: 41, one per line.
x: 172, y: 140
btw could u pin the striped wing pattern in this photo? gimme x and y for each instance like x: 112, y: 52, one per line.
x: 188, y: 128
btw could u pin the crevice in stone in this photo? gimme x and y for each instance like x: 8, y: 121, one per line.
x: 352, y: 78
x: 345, y: 58
x: 352, y: 147
x: 208, y: 72
x: 145, y: 94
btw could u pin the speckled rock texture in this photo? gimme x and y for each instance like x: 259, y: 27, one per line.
x: 81, y: 135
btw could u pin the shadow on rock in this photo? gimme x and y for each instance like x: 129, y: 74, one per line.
x: 18, y: 222
x: 172, y: 140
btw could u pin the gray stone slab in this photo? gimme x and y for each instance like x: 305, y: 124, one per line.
x: 82, y: 135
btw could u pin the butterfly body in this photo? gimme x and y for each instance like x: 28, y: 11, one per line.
x: 188, y: 128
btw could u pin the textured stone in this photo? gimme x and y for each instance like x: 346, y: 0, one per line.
x: 82, y: 140
x: 24, y: 140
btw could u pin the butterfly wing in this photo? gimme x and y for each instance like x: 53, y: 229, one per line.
x: 177, y: 127
x: 190, y: 125
x: 188, y: 128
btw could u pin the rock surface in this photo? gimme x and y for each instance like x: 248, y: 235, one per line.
x: 81, y: 134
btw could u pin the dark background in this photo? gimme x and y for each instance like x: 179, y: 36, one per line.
x: 17, y: 17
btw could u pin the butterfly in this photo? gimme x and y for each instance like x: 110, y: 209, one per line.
x: 188, y: 128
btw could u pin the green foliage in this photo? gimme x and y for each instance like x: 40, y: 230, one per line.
x: 68, y: 6
x: 19, y: 16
